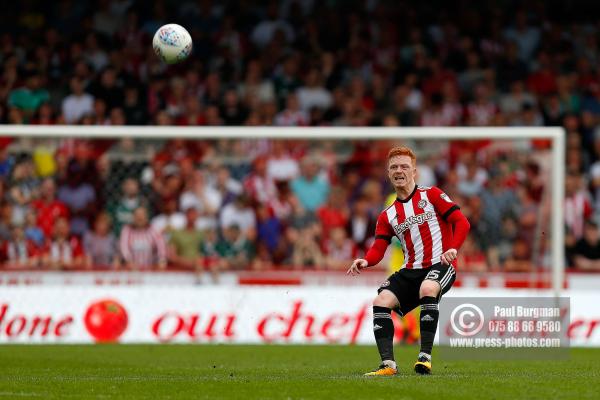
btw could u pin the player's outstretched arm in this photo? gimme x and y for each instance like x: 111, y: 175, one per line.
x: 373, y: 256
x: 383, y: 237
x: 357, y: 265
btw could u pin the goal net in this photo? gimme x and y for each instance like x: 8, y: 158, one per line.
x: 301, y: 198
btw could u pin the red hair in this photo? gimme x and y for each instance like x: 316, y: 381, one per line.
x: 402, y: 151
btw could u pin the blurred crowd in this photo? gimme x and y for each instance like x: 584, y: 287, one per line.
x: 290, y: 63
x: 217, y: 205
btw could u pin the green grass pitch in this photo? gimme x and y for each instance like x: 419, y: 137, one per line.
x: 279, y: 372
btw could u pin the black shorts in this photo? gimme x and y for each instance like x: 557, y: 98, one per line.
x: 405, y: 284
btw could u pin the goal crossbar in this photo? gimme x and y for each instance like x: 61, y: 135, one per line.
x: 256, y: 132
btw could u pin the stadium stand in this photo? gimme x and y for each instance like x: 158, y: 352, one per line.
x: 289, y: 63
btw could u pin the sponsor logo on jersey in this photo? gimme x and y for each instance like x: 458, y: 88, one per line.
x: 419, y: 219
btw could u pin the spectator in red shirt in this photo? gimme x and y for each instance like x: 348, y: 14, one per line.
x: 63, y: 251
x: 178, y: 149
x: 258, y: 185
x: 335, y: 213
x: 471, y: 258
x: 543, y: 81
x: 436, y: 77
x: 193, y: 114
x: 48, y: 208
x: 6, y: 210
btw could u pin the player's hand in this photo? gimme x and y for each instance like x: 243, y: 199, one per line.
x: 356, y: 266
x: 449, y: 256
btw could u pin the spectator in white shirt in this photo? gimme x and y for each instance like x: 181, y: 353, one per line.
x: 204, y: 198
x: 281, y: 166
x: 255, y: 85
x: 170, y: 219
x: 241, y: 214
x: 78, y: 103
x: 314, y: 94
x: 263, y: 32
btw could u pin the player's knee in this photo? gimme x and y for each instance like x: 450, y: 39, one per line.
x: 378, y: 301
x: 384, y: 299
x: 429, y: 289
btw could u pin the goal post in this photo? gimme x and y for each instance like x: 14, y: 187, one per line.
x: 555, y: 134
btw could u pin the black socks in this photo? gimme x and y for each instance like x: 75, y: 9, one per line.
x: 429, y: 321
x: 383, y: 328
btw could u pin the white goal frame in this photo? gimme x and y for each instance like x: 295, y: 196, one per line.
x: 555, y: 134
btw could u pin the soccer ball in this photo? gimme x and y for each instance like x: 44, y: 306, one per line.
x: 172, y: 43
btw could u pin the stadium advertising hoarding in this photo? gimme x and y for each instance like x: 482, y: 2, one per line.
x: 225, y: 315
